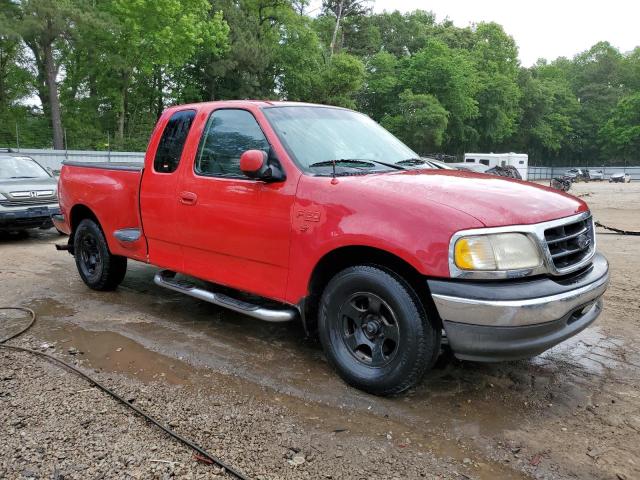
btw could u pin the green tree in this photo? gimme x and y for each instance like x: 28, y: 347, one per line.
x: 380, y: 93
x: 548, y: 107
x: 340, y: 80
x: 621, y: 132
x: 420, y: 121
x: 340, y: 10
x: 14, y: 79
x: 496, y: 59
x: 147, y: 37
x: 44, y: 26
x: 404, y: 34
x: 596, y: 78
x: 252, y: 65
x: 298, y: 60
x: 15, y: 85
x: 631, y: 70
x: 451, y: 77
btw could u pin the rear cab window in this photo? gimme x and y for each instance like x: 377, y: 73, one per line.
x: 172, y: 141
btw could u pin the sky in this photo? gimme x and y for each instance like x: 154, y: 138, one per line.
x: 541, y: 28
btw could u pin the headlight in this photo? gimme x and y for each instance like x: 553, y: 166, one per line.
x: 500, y: 251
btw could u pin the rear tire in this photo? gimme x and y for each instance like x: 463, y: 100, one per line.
x: 375, y: 331
x: 98, y: 268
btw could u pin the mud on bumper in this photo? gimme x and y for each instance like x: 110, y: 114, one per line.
x: 508, y: 320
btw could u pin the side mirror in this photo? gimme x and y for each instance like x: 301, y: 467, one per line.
x: 255, y: 164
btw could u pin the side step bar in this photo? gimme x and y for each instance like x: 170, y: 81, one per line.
x: 166, y: 279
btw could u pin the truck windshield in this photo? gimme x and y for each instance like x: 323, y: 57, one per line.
x: 20, y: 167
x: 322, y: 138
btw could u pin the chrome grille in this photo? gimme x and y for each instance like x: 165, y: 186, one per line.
x: 24, y: 202
x: 571, y: 243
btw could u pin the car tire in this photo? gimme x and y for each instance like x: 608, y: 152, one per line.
x: 375, y: 331
x: 98, y: 268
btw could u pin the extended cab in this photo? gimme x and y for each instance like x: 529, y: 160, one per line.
x: 290, y: 211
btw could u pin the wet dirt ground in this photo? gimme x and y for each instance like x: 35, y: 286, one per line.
x: 573, y: 412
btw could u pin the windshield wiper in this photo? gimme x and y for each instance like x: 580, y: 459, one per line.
x: 23, y: 177
x: 344, y: 162
x: 412, y: 161
x: 362, y: 161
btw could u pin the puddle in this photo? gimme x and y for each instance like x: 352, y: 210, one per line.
x: 49, y: 307
x: 591, y: 351
x: 112, y: 352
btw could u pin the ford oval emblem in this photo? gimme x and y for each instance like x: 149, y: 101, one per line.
x: 583, y: 241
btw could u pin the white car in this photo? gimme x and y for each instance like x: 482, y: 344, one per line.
x: 620, y: 178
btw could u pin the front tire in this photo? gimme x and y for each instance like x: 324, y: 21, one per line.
x: 375, y: 331
x: 98, y: 268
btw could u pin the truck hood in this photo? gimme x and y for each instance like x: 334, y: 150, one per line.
x: 495, y: 201
x: 8, y: 185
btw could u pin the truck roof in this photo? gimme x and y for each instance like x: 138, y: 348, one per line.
x: 254, y: 103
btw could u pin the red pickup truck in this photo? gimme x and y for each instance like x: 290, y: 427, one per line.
x: 288, y: 211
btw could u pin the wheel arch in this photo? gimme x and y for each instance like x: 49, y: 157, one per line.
x: 78, y: 213
x: 340, y: 258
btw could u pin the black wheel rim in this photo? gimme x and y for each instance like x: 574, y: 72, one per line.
x: 369, y: 329
x: 90, y: 257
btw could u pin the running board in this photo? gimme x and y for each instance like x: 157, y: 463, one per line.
x: 166, y: 279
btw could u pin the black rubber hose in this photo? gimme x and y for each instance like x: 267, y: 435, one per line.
x: 104, y: 388
x: 617, y: 230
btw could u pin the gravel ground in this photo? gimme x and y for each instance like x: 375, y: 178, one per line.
x: 55, y: 425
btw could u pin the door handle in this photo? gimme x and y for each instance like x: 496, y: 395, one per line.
x: 188, y: 198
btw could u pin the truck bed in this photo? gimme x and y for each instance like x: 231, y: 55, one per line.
x: 128, y: 166
x: 110, y: 191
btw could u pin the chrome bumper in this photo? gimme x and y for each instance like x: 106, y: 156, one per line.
x: 516, y: 319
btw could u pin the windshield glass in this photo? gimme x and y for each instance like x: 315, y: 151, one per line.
x: 20, y: 167
x: 316, y: 136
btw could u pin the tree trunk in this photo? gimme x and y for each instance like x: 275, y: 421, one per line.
x: 158, y: 86
x: 41, y: 77
x: 337, y: 27
x: 4, y: 65
x: 123, y: 107
x: 54, y: 101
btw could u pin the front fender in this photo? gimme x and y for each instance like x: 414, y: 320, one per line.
x: 325, y: 218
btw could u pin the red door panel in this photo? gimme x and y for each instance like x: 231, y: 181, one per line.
x: 237, y: 234
x: 234, y: 231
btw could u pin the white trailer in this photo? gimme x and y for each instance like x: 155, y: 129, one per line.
x: 518, y: 160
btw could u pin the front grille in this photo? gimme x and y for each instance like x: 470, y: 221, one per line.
x: 571, y: 243
x: 28, y: 202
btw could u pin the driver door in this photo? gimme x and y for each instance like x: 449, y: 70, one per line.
x: 235, y: 231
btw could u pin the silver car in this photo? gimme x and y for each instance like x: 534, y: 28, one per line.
x: 28, y: 194
x: 597, y: 175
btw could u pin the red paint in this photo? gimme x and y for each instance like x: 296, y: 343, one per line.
x: 252, y: 160
x: 266, y: 238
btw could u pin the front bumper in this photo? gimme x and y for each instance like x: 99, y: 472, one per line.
x: 508, y: 320
x: 31, y: 217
